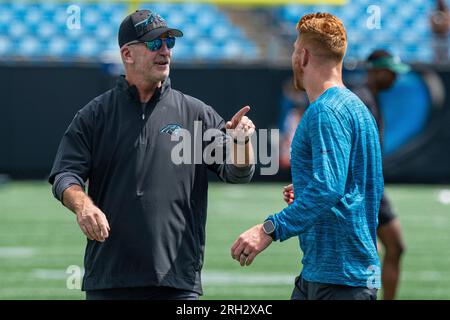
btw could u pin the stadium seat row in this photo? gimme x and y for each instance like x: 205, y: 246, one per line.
x: 50, y: 29
x: 402, y: 28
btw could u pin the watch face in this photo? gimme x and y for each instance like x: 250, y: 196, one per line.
x: 268, y: 227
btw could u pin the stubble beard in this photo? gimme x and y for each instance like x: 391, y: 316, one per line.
x: 298, y: 79
x: 155, y: 76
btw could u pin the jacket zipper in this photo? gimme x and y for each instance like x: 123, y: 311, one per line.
x: 141, y: 153
x: 143, y: 131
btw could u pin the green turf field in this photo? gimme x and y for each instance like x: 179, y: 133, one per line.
x: 40, y: 239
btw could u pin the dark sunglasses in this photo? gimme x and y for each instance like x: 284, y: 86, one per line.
x: 156, y: 44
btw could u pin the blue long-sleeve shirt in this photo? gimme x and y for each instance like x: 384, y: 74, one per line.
x: 338, y: 183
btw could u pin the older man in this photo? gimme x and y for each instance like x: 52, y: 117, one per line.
x: 144, y: 215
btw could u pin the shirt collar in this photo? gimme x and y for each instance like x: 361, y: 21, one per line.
x: 132, y: 91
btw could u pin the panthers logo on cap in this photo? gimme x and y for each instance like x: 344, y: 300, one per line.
x: 153, y: 21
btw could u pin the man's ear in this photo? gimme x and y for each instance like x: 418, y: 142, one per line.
x: 304, y: 55
x: 125, y: 52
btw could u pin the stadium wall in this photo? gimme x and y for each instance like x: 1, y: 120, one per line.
x: 39, y: 101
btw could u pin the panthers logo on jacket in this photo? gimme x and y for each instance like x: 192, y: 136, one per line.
x: 171, y: 129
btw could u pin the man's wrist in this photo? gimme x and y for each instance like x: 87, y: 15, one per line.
x: 269, y: 228
x: 240, y: 141
x: 75, y: 199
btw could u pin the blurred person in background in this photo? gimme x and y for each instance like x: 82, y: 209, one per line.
x: 382, y: 71
x: 144, y: 215
x: 440, y: 26
x: 293, y: 104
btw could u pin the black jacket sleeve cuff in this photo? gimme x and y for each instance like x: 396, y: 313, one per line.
x: 63, y: 181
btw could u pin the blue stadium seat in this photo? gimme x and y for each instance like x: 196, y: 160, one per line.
x: 404, y: 26
x: 39, y: 30
x: 6, y: 46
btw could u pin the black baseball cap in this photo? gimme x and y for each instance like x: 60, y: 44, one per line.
x: 144, y: 25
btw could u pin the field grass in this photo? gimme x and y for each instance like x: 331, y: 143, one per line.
x: 39, y: 240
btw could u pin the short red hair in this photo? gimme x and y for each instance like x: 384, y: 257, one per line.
x: 326, y: 33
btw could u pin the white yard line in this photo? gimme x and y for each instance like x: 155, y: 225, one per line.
x: 208, y: 277
x: 444, y: 196
x: 426, y: 275
x: 49, y: 274
x: 222, y: 278
x: 16, y: 252
x: 235, y: 279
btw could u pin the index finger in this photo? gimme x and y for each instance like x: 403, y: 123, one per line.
x: 238, y: 116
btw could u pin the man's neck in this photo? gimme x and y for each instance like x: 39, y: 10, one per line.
x: 145, y: 89
x: 322, y: 81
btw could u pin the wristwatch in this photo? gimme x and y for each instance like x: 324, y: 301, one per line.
x: 240, y: 142
x: 269, y: 228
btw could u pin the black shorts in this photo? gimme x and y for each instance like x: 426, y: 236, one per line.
x: 385, y: 215
x: 306, y: 290
x: 141, y: 293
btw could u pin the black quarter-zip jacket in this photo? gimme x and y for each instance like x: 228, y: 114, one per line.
x: 156, y: 209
